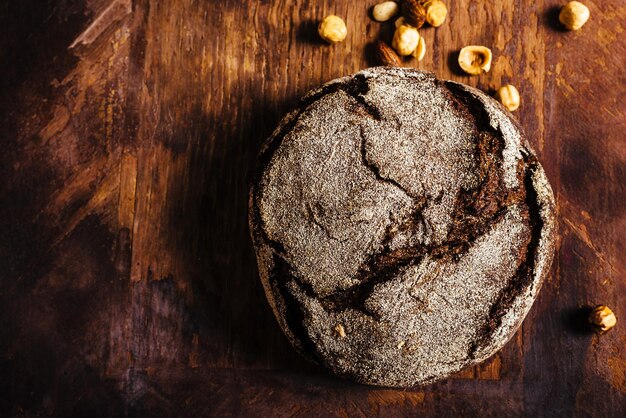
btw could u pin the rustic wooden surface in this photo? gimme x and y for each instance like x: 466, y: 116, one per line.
x: 129, y: 129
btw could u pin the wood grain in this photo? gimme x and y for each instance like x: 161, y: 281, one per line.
x: 129, y: 129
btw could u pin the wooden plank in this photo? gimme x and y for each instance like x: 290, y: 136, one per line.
x: 128, y: 281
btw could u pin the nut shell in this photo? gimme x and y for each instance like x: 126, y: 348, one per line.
x: 414, y: 13
x: 475, y: 59
x: 386, y: 55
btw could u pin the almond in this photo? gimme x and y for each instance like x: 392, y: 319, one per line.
x: 414, y: 13
x: 386, y: 55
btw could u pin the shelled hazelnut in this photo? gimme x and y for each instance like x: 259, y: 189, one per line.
x: 509, y: 97
x: 574, y: 15
x: 384, y: 11
x: 602, y: 318
x: 332, y: 29
x: 400, y: 21
x: 436, y: 12
x: 405, y: 40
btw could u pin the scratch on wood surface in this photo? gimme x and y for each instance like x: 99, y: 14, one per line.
x: 356, y: 410
x: 114, y: 13
x: 582, y: 233
x: 128, y: 188
x: 490, y: 370
x: 123, y: 253
x: 58, y: 123
x: 617, y: 367
x: 151, y: 254
x: 106, y: 113
x: 467, y: 373
x: 74, y: 189
x: 343, y: 413
x: 295, y: 411
x: 194, y: 356
x: 384, y: 397
x: 94, y: 205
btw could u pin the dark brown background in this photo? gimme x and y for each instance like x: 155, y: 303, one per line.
x: 128, y: 280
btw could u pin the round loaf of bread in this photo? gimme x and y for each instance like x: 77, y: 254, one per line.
x: 402, y: 226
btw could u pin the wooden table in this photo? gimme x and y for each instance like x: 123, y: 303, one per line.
x: 128, y: 280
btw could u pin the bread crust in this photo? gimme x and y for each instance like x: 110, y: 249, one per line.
x: 410, y: 211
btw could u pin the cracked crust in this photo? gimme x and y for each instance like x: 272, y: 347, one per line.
x: 411, y: 212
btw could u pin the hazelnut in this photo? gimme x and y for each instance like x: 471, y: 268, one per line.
x: 405, y: 40
x: 386, y: 55
x: 436, y: 12
x: 574, y: 15
x: 384, y: 11
x: 602, y: 318
x: 475, y: 59
x: 400, y: 21
x: 414, y: 13
x: 420, y: 51
x: 332, y: 29
x: 508, y: 96
x: 340, y: 330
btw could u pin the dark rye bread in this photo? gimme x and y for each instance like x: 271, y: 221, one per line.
x: 402, y: 226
